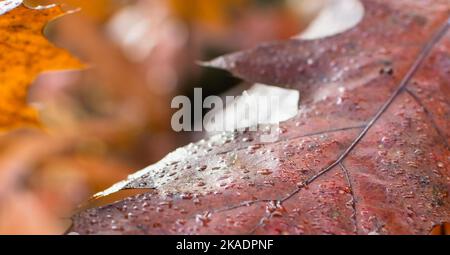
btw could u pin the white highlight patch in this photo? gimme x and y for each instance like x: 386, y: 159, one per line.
x: 261, y: 104
x: 8, y: 5
x: 338, y: 16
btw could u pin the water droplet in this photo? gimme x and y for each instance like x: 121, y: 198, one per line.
x: 247, y: 139
x: 301, y: 185
x: 186, y: 196
x: 115, y: 227
x: 181, y: 222
x: 412, y: 164
x: 196, y: 201
x: 282, y: 130
x: 275, y: 208
x: 201, y: 168
x: 254, y: 147
x: 382, y: 153
x: 265, y: 172
x: 203, y: 219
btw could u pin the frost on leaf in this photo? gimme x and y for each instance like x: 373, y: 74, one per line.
x: 367, y: 153
x: 24, y: 53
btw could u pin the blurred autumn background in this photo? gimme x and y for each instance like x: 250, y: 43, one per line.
x: 112, y: 117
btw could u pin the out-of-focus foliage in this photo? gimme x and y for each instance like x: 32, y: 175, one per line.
x: 214, y: 12
x: 113, y: 117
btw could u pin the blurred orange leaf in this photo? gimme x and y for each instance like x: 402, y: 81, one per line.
x: 24, y: 53
x: 205, y: 10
